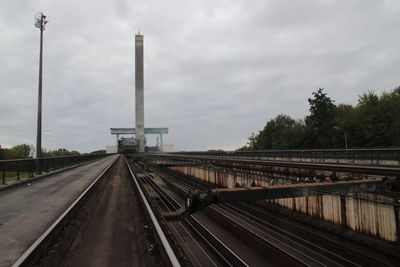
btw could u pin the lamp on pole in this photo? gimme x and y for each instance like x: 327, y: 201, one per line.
x: 40, y: 22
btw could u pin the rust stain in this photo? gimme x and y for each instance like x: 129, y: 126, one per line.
x: 368, y: 217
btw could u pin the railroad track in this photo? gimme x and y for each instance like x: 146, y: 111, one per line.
x: 218, y: 253
x: 289, y: 244
x: 322, y: 242
x: 56, y: 245
x: 290, y: 240
x: 263, y: 237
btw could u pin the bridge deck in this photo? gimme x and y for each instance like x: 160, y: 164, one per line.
x: 27, y: 211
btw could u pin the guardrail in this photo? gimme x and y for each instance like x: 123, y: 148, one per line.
x: 16, y: 169
x: 389, y: 156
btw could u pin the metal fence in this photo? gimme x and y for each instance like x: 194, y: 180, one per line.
x: 389, y: 156
x: 17, y: 169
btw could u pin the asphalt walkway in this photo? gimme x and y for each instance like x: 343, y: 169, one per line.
x: 28, y: 210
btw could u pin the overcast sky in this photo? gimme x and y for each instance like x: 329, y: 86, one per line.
x: 215, y: 71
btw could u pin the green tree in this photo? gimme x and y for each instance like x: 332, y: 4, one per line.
x: 346, y: 123
x: 101, y: 151
x: 319, y: 125
x: 370, y: 127
x: 282, y: 132
x: 16, y: 152
x: 373, y: 122
x: 59, y: 153
x: 6, y: 153
x: 378, y: 119
x: 21, y: 151
x: 390, y: 115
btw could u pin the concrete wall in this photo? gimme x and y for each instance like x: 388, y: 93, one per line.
x: 357, y: 214
x: 366, y: 216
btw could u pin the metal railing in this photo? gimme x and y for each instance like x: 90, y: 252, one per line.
x: 17, y: 169
x: 388, y: 156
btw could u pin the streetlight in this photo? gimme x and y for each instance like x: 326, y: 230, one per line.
x: 40, y: 22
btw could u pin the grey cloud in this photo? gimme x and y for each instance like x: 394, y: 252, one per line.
x: 215, y: 71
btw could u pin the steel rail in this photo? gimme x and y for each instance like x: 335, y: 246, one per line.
x: 181, y: 231
x: 318, y: 191
x: 219, y: 248
x: 27, y: 256
x: 280, y: 244
x: 290, y: 251
x: 300, y: 232
x: 350, y: 168
x: 266, y: 222
x: 168, y: 205
x: 312, y: 190
x: 167, y: 247
x: 287, y: 236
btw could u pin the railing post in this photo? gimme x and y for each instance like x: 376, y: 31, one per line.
x: 18, y: 170
x: 31, y: 165
x: 3, y: 171
x: 38, y: 166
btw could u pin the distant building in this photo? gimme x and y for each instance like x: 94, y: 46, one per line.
x: 111, y: 149
x: 168, y: 148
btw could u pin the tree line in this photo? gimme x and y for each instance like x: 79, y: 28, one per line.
x: 374, y: 122
x: 24, y: 151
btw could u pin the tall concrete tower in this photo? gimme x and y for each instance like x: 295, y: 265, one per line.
x: 139, y: 92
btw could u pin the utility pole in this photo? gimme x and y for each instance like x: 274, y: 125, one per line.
x: 40, y: 22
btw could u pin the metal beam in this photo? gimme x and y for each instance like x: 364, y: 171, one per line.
x: 196, y: 200
x: 133, y: 131
x: 239, y: 162
x: 294, y: 190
